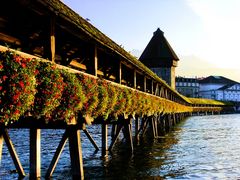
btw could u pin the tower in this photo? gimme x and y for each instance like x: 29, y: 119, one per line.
x: 160, y: 58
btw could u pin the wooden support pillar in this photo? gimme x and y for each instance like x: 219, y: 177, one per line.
x: 91, y: 139
x: 57, y: 155
x: 152, y: 87
x: 104, y: 139
x: 137, y: 128
x: 156, y: 90
x: 135, y: 79
x: 145, y: 84
x: 75, y: 149
x: 95, y: 61
x: 163, y: 124
x: 128, y: 133
x: 52, y: 37
x: 4, y: 136
x: 119, y: 128
x: 35, y: 153
x: 145, y: 125
x: 154, y: 127
x: 119, y: 76
x: 167, y: 123
x: 1, y: 145
x: 114, y: 130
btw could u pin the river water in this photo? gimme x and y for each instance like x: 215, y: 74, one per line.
x: 200, y: 147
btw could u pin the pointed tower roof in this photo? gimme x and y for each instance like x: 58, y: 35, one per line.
x: 158, y: 51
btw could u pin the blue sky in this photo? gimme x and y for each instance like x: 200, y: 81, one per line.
x: 205, y: 34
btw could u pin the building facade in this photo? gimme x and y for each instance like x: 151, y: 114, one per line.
x: 219, y: 88
x: 188, y: 87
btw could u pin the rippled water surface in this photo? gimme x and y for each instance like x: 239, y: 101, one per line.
x: 201, y: 147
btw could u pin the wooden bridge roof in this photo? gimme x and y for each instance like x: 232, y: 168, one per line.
x: 63, y: 11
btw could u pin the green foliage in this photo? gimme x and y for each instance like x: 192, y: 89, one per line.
x: 40, y: 89
x: 49, y: 90
x: 17, y: 86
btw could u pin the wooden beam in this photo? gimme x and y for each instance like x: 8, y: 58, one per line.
x: 128, y: 130
x: 91, y: 139
x: 120, y: 73
x: 135, y: 79
x: 144, y: 84
x: 1, y: 145
x: 52, y: 37
x: 119, y: 128
x: 104, y: 139
x: 156, y: 90
x: 75, y: 149
x: 152, y: 86
x: 95, y: 61
x: 12, y: 151
x: 57, y: 155
x: 137, y: 126
x: 35, y: 153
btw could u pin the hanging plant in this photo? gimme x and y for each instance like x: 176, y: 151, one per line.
x: 103, y: 99
x: 120, y: 105
x: 49, y: 90
x: 72, y: 99
x: 17, y: 86
x: 128, y: 105
x: 113, y: 97
x: 90, y: 89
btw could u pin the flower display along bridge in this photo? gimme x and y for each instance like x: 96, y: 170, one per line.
x: 57, y: 71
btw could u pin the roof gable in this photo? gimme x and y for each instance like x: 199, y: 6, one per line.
x: 157, y: 50
x: 233, y: 86
x: 216, y: 80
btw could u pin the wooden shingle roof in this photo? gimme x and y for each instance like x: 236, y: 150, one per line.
x: 63, y: 11
x: 158, y: 52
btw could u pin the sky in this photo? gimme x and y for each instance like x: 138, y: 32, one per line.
x: 205, y: 34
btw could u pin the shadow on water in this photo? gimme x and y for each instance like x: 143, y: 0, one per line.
x: 150, y: 159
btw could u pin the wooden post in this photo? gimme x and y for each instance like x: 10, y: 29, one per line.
x: 95, y: 61
x: 119, y: 77
x: 156, y: 126
x: 104, y: 139
x: 119, y: 128
x: 52, y: 37
x: 135, y: 80
x: 137, y: 128
x: 1, y: 145
x: 35, y: 153
x: 152, y: 87
x: 4, y: 136
x: 75, y: 148
x: 91, y: 139
x: 145, y: 84
x: 114, y: 130
x: 153, y: 127
x: 128, y: 132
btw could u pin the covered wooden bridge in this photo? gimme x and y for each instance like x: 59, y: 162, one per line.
x: 65, y: 74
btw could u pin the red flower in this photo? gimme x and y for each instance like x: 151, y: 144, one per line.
x: 1, y: 88
x: 21, y: 83
x: 23, y: 65
x: 17, y: 112
x: 1, y: 66
x: 4, y: 78
x: 18, y: 59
